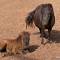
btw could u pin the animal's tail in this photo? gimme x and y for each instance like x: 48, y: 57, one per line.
x: 29, y: 19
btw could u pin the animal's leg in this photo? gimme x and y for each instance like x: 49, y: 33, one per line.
x: 9, y: 52
x: 6, y: 53
x: 49, y: 32
x: 40, y: 30
x: 42, y: 34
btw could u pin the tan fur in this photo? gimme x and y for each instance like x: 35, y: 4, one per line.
x: 14, y: 46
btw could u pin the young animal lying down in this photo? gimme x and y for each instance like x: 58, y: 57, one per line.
x: 15, y: 46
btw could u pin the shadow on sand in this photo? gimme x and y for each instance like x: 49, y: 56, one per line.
x: 30, y: 49
x: 55, y: 36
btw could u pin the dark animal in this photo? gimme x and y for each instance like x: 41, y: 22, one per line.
x: 43, y: 17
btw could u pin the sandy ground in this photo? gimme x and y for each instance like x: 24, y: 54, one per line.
x: 12, y: 22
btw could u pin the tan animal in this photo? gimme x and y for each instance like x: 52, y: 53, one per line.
x: 14, y: 46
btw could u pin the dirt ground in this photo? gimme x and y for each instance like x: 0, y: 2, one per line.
x: 12, y: 22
